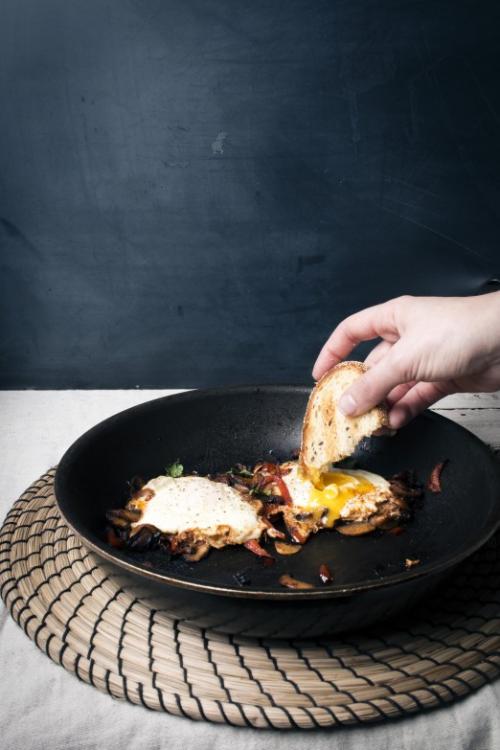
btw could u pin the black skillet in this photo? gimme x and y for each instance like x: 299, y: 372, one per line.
x: 233, y: 590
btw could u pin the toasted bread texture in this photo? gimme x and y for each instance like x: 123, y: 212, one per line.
x: 327, y: 435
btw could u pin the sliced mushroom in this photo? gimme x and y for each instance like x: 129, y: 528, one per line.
x: 131, y: 514
x: 409, y: 563
x: 143, y: 537
x: 384, y: 520
x: 197, y: 552
x: 378, y: 520
x: 283, y: 548
x: 220, y: 478
x: 240, y: 486
x: 164, y: 543
x: 357, y: 528
x: 400, y: 502
x: 118, y: 518
x: 142, y: 496
x: 405, y: 485
x: 135, y: 484
x: 271, y: 530
x: 294, y: 583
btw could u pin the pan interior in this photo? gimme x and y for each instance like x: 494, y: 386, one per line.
x: 211, y: 430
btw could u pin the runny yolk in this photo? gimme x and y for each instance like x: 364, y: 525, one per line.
x: 333, y: 489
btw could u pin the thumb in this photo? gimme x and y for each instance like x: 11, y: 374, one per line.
x: 372, y: 387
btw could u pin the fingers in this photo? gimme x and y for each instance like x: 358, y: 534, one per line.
x: 377, y: 353
x: 398, y: 392
x: 372, y: 387
x: 362, y: 326
x: 375, y: 356
x: 418, y: 398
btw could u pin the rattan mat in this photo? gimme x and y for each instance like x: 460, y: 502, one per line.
x: 92, y: 620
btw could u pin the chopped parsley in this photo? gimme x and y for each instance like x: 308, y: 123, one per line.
x: 175, y: 470
x: 240, y: 471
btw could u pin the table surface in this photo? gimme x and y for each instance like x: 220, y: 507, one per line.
x: 43, y: 706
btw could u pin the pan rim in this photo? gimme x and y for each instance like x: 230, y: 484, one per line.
x: 333, y: 591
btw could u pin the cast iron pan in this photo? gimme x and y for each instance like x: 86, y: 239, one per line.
x: 213, y: 429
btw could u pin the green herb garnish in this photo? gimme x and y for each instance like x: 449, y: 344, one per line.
x: 240, y: 471
x: 175, y: 470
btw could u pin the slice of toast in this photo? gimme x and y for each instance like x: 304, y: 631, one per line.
x: 327, y: 435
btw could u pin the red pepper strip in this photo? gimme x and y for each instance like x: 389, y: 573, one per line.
x: 325, y: 573
x: 265, y: 467
x: 283, y: 490
x: 253, y: 546
x: 274, y: 477
x: 281, y: 484
x: 113, y: 539
x: 396, y: 530
x: 434, y: 481
x: 270, y: 467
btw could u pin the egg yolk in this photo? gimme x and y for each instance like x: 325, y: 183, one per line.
x: 333, y: 489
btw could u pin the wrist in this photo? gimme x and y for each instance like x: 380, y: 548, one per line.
x: 488, y: 317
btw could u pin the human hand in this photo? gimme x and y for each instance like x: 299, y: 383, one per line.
x: 431, y: 347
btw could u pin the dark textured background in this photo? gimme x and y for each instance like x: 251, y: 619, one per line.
x: 194, y: 192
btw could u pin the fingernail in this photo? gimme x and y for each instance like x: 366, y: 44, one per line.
x: 347, y: 405
x: 385, y: 432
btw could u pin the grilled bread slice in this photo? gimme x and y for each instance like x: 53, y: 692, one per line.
x: 327, y: 435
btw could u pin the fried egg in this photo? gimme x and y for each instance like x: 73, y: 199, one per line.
x: 216, y: 511
x: 347, y: 494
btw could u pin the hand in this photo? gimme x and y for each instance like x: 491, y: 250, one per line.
x: 431, y: 347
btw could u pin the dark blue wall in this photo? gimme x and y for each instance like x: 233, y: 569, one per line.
x: 195, y: 192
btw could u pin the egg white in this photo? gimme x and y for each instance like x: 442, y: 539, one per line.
x: 187, y: 503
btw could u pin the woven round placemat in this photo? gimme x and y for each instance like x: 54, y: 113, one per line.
x: 95, y: 622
